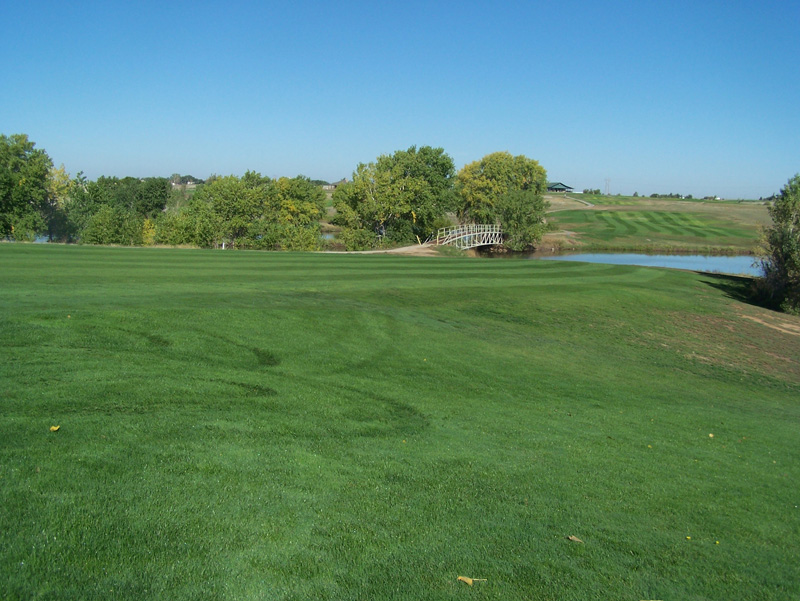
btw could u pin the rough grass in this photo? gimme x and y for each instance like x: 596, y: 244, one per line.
x: 275, y: 426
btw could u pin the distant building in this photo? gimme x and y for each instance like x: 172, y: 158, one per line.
x: 558, y: 187
x: 334, y: 185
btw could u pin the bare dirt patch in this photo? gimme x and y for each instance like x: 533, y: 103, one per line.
x: 747, y: 339
x: 554, y: 242
x: 792, y: 328
x: 563, y: 203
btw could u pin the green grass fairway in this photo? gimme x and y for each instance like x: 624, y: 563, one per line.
x: 662, y: 225
x: 288, y: 426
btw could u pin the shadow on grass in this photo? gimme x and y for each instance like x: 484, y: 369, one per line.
x: 738, y: 288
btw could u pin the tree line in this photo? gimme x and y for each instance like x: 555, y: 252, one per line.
x: 400, y: 198
x: 251, y: 211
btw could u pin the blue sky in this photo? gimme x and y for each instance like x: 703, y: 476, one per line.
x: 698, y: 97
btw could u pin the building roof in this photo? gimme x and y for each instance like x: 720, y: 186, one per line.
x: 558, y: 187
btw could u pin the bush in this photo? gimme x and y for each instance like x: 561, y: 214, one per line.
x: 113, y: 225
x: 358, y: 239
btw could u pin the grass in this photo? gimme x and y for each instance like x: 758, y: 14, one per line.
x: 619, y: 199
x: 620, y: 223
x: 284, y: 426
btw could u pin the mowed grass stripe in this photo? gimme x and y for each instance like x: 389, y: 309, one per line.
x: 683, y: 226
x: 614, y: 226
x: 701, y: 227
x: 266, y: 425
x: 667, y: 223
x: 714, y: 229
x: 660, y: 228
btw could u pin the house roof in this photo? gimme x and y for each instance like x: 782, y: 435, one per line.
x: 558, y: 186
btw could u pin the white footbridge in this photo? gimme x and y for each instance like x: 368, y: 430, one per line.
x: 468, y: 235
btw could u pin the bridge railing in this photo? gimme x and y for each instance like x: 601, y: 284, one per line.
x: 469, y: 235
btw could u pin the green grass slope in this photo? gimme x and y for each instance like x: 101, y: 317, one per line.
x: 665, y: 225
x: 284, y: 426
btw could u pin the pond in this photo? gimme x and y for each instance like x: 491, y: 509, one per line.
x: 735, y: 265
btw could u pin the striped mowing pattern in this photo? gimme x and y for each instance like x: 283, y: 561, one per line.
x: 608, y: 225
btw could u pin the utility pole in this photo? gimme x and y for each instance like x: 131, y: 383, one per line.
x: 608, y: 187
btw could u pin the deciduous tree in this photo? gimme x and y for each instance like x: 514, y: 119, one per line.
x: 781, y: 256
x: 505, y: 189
x: 297, y: 201
x: 235, y: 203
x: 24, y: 199
x: 522, y: 215
x: 399, y: 197
x: 483, y: 183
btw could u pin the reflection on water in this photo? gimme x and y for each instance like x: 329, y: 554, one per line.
x: 738, y: 265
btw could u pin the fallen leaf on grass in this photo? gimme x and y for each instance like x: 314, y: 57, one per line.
x: 574, y: 539
x: 470, y: 581
x: 54, y: 428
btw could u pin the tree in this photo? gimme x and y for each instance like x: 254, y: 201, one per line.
x: 24, y: 200
x: 114, y: 225
x: 522, y: 214
x: 84, y: 200
x: 248, y: 212
x: 145, y: 197
x: 236, y: 204
x: 505, y: 189
x: 398, y: 198
x: 58, y: 190
x: 781, y: 255
x: 483, y: 183
x: 152, y: 195
x: 297, y: 201
x: 295, y: 206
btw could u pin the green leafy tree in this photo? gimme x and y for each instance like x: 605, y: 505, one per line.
x: 781, y: 255
x: 146, y: 197
x: 297, y: 201
x: 197, y: 224
x: 522, y: 214
x: 59, y: 185
x: 114, y: 225
x: 84, y: 200
x: 399, y: 197
x: 505, y: 189
x: 295, y: 206
x: 27, y: 225
x: 482, y: 184
x: 174, y: 228
x: 152, y: 195
x: 235, y: 206
x: 24, y: 199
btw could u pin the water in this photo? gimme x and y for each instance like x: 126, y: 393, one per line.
x: 737, y: 265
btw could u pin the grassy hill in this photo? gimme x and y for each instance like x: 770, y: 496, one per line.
x: 289, y: 426
x: 648, y: 224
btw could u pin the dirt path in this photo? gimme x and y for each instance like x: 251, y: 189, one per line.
x: 412, y: 251
x: 566, y: 203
